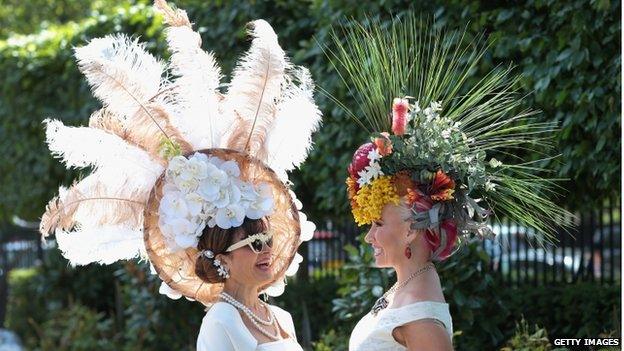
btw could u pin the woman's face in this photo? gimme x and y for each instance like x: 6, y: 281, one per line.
x: 248, y: 267
x: 388, y: 236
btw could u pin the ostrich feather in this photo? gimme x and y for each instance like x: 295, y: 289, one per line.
x: 106, y: 120
x: 143, y: 132
x: 82, y: 146
x: 57, y: 214
x: 194, y: 92
x: 126, y: 78
x: 94, y: 221
x: 172, y: 17
x: 104, y: 245
x: 121, y: 73
x: 255, y: 87
x: 102, y: 198
x: 290, y: 138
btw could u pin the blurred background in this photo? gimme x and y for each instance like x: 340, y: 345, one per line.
x: 504, y: 293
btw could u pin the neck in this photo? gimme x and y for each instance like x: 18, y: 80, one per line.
x: 243, y: 293
x: 407, y: 267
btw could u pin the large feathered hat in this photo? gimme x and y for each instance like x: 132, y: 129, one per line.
x: 171, y: 156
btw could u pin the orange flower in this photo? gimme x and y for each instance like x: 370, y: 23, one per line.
x: 352, y: 187
x: 442, y: 187
x: 402, y: 182
x: 418, y: 200
x: 383, y: 144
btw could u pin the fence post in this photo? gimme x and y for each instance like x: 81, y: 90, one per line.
x: 303, y: 274
x: 4, y: 271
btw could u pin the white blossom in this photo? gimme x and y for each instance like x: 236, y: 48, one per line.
x: 230, y: 216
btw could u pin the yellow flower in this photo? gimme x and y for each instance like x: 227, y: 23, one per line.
x: 371, y: 199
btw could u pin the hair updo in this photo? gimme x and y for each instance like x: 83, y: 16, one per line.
x: 441, y: 244
x: 218, y: 240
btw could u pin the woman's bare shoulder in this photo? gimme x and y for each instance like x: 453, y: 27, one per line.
x: 423, y: 334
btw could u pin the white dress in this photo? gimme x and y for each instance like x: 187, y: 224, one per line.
x: 223, y: 329
x: 375, y: 332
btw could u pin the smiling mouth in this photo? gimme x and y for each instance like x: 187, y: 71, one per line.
x: 264, y: 266
x: 377, y: 251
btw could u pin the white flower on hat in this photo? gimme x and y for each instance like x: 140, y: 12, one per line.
x: 230, y: 216
x: 210, y: 186
x: 196, y: 167
x: 263, y: 204
x: 173, y: 204
x: 179, y: 232
x: 294, y: 265
x: 307, y: 227
x: 185, y: 182
x: 298, y: 203
x: 185, y: 241
x: 194, y: 204
x: 206, y: 191
x: 247, y: 190
x: 215, y: 161
x: 230, y: 168
x: 176, y: 165
x: 167, y: 290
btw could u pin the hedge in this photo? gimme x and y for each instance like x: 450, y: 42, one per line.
x: 568, y: 52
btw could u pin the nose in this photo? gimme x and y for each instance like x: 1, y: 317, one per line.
x: 369, y: 236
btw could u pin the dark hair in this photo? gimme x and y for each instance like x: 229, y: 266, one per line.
x: 218, y: 240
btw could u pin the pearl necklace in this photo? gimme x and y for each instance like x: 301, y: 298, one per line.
x: 382, y: 302
x: 254, y: 318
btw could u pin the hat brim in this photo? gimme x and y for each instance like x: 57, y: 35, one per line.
x: 177, y: 269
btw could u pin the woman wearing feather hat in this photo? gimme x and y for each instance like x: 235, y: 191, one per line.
x: 192, y: 179
x: 428, y: 180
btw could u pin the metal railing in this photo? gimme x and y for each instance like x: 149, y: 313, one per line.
x: 591, y: 252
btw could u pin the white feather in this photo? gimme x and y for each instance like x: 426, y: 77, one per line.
x: 83, y: 146
x: 257, y: 81
x: 104, y: 245
x: 121, y: 73
x: 110, y: 185
x: 196, y: 113
x: 290, y: 138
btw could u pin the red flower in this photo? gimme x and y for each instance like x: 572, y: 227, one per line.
x: 360, y: 159
x: 400, y: 109
x: 383, y: 144
x: 442, y: 187
x: 450, y: 228
x: 418, y: 200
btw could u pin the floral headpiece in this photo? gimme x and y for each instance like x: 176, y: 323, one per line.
x: 204, y: 190
x: 438, y: 152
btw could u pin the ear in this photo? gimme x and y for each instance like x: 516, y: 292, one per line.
x: 412, y: 235
x: 225, y: 259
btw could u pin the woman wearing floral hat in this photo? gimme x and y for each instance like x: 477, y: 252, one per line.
x: 428, y: 180
x: 192, y: 179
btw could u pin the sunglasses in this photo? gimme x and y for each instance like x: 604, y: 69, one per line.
x: 256, y: 242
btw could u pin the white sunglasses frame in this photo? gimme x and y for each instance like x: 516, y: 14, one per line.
x: 264, y: 237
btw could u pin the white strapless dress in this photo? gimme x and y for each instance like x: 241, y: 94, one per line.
x: 223, y: 329
x: 374, y: 333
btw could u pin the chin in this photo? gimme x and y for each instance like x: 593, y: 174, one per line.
x: 381, y: 263
x: 264, y: 278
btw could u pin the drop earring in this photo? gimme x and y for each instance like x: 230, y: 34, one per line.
x: 408, y: 252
